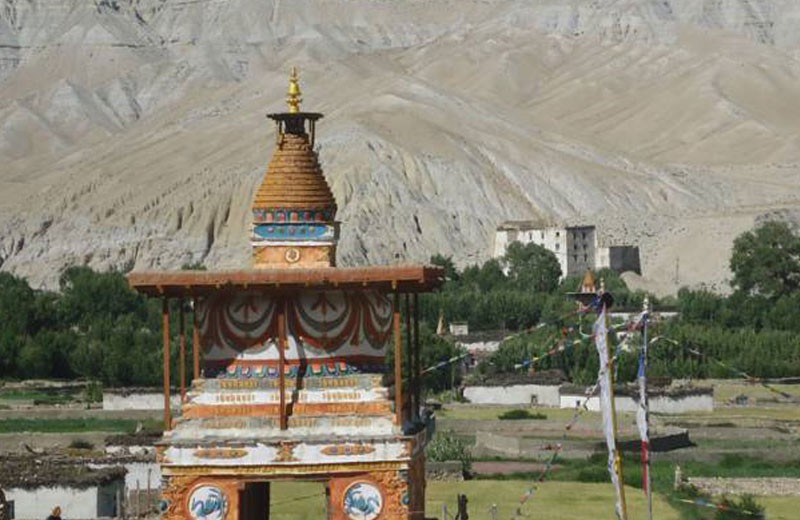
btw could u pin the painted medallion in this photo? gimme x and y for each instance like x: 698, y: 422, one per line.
x: 208, y: 503
x: 362, y: 501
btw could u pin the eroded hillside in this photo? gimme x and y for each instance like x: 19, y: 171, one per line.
x: 133, y: 132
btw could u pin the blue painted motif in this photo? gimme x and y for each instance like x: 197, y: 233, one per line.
x: 363, y: 501
x: 294, y: 231
x: 208, y: 503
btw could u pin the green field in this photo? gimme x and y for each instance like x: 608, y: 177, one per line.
x: 725, y: 390
x: 75, y: 425
x: 484, y: 413
x: 35, y: 396
x: 562, y: 500
x: 556, y: 500
x: 781, y: 508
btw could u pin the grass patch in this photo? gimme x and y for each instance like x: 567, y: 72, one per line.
x: 38, y: 397
x: 726, y: 390
x: 742, y: 416
x: 780, y: 508
x: 559, y: 500
x: 76, y: 425
x: 519, y: 414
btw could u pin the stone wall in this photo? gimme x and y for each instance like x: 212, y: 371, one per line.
x: 139, y: 475
x: 138, y: 401
x: 448, y: 470
x: 771, y: 486
x: 545, y: 395
x: 658, y: 403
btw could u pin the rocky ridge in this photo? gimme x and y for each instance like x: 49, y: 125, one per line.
x: 132, y: 132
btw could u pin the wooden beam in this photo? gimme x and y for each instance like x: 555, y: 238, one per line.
x: 165, y: 329
x: 182, y: 335
x: 417, y: 368
x: 195, y: 342
x: 409, y: 361
x: 398, y: 363
x: 282, y: 362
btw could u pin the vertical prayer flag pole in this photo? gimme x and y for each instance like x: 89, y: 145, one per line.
x: 617, y: 457
x: 646, y: 409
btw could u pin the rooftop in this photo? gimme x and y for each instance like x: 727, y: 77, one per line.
x: 537, y: 224
x: 30, y: 472
x: 400, y: 278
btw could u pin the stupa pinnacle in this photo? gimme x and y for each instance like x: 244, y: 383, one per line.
x: 294, y: 209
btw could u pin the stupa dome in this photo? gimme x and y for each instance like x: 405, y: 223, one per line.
x: 294, y: 185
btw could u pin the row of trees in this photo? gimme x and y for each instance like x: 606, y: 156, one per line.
x: 94, y: 327
x: 514, y: 292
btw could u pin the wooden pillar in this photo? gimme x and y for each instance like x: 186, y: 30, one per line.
x: 165, y: 329
x: 410, y: 362
x: 398, y: 363
x: 417, y: 368
x: 182, y: 341
x: 282, y: 363
x: 195, y: 342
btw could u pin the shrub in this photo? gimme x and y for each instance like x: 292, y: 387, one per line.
x: 80, y: 444
x: 744, y: 508
x: 94, y: 392
x: 520, y: 413
x: 446, y: 446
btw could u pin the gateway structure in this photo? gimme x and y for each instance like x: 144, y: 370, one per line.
x: 292, y: 384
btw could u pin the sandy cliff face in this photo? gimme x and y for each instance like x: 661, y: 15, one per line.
x: 132, y: 132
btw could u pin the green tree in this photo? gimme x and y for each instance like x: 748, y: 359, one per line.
x: 17, y: 307
x: 766, y: 261
x: 531, y: 267
x: 88, y: 296
x: 446, y: 262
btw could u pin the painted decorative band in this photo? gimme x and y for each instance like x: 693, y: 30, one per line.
x: 282, y: 215
x: 325, y: 232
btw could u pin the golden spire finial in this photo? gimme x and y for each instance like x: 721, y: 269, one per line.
x: 294, y: 97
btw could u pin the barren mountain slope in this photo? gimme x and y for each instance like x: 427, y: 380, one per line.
x: 133, y: 132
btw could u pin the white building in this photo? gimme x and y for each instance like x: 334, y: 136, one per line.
x: 575, y: 247
x: 82, y: 494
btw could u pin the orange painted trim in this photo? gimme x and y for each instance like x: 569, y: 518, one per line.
x: 195, y: 411
x: 195, y: 342
x: 408, y: 278
x: 350, y: 360
x: 166, y: 375
x: 398, y: 363
x: 182, y: 341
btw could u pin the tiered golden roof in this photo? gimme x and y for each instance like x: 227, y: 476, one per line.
x: 294, y: 179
